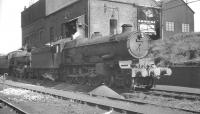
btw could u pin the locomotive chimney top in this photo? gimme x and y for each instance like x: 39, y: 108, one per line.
x: 126, y: 28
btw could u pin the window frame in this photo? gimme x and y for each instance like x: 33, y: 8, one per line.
x: 185, y: 27
x: 51, y: 34
x: 41, y: 33
x: 170, y: 26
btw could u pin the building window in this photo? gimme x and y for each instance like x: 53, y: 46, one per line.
x: 51, y: 31
x: 185, y: 28
x: 63, y: 29
x: 40, y: 35
x: 170, y: 26
x: 69, y: 28
x: 26, y: 41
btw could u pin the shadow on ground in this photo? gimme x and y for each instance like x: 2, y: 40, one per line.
x: 55, y: 84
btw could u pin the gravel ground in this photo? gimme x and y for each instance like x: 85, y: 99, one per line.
x: 44, y: 104
x: 169, y: 102
x: 55, y: 85
x: 158, y: 100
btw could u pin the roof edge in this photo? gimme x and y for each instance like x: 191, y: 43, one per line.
x: 185, y: 4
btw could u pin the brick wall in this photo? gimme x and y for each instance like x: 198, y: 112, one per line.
x: 54, y: 5
x: 33, y: 13
x: 182, y: 76
x: 31, y: 32
x: 176, y: 11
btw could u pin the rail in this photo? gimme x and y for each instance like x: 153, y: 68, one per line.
x: 12, y: 106
x: 108, y: 102
x: 168, y: 94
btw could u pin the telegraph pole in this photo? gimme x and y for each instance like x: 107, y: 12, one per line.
x: 161, y: 20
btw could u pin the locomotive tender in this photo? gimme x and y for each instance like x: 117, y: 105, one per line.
x: 93, y: 41
x: 3, y: 64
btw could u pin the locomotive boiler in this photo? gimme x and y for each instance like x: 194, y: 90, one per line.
x: 18, y: 61
x: 116, y: 60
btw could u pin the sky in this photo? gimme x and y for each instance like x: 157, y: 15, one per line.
x: 10, y: 23
x: 196, y: 8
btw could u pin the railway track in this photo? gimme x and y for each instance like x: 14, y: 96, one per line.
x: 175, y: 94
x: 105, y: 105
x: 171, y: 94
x: 167, y: 94
x: 13, y: 109
x: 96, y: 105
x: 138, y: 102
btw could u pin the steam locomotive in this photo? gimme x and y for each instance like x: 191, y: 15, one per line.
x: 118, y: 60
x: 109, y: 48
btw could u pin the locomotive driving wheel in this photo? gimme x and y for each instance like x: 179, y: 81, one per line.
x: 110, y: 81
x: 133, y: 84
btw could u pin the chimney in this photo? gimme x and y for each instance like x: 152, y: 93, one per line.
x: 126, y: 28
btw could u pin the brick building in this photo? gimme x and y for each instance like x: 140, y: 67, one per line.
x: 48, y: 21
x: 177, y: 17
